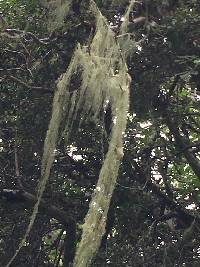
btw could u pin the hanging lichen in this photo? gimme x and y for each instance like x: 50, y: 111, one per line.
x: 104, y: 77
x: 57, y: 12
x: 105, y: 54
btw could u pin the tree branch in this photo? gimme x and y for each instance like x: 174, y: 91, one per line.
x: 181, y: 212
x: 69, y: 245
x: 36, y: 88
x: 182, y: 143
x: 21, y: 196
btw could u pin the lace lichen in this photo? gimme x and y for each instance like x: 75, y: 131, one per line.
x: 58, y: 10
x: 100, y: 80
x: 104, y: 77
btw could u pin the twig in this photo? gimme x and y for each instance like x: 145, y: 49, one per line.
x: 37, y: 88
x: 21, y: 33
x: 17, y: 172
x: 12, y: 69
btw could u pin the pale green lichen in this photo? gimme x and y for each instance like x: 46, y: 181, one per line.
x: 105, y: 54
x: 58, y: 11
x: 104, y: 76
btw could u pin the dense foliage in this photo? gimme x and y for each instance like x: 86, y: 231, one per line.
x: 153, y: 218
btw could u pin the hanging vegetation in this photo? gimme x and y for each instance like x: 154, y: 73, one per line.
x: 104, y: 78
x: 155, y: 203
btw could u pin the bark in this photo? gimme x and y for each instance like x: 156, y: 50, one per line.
x: 69, y: 245
x: 182, y: 143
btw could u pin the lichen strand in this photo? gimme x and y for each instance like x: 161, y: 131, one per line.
x: 58, y: 11
x: 103, y: 77
x: 94, y: 226
x: 104, y: 56
x: 49, y: 150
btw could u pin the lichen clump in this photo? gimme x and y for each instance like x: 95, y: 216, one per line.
x: 104, y: 77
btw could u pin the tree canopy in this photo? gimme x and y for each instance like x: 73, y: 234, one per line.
x: 99, y: 133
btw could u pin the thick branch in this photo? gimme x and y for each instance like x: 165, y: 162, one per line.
x: 21, y: 196
x: 69, y: 244
x: 181, y: 212
x: 182, y: 143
